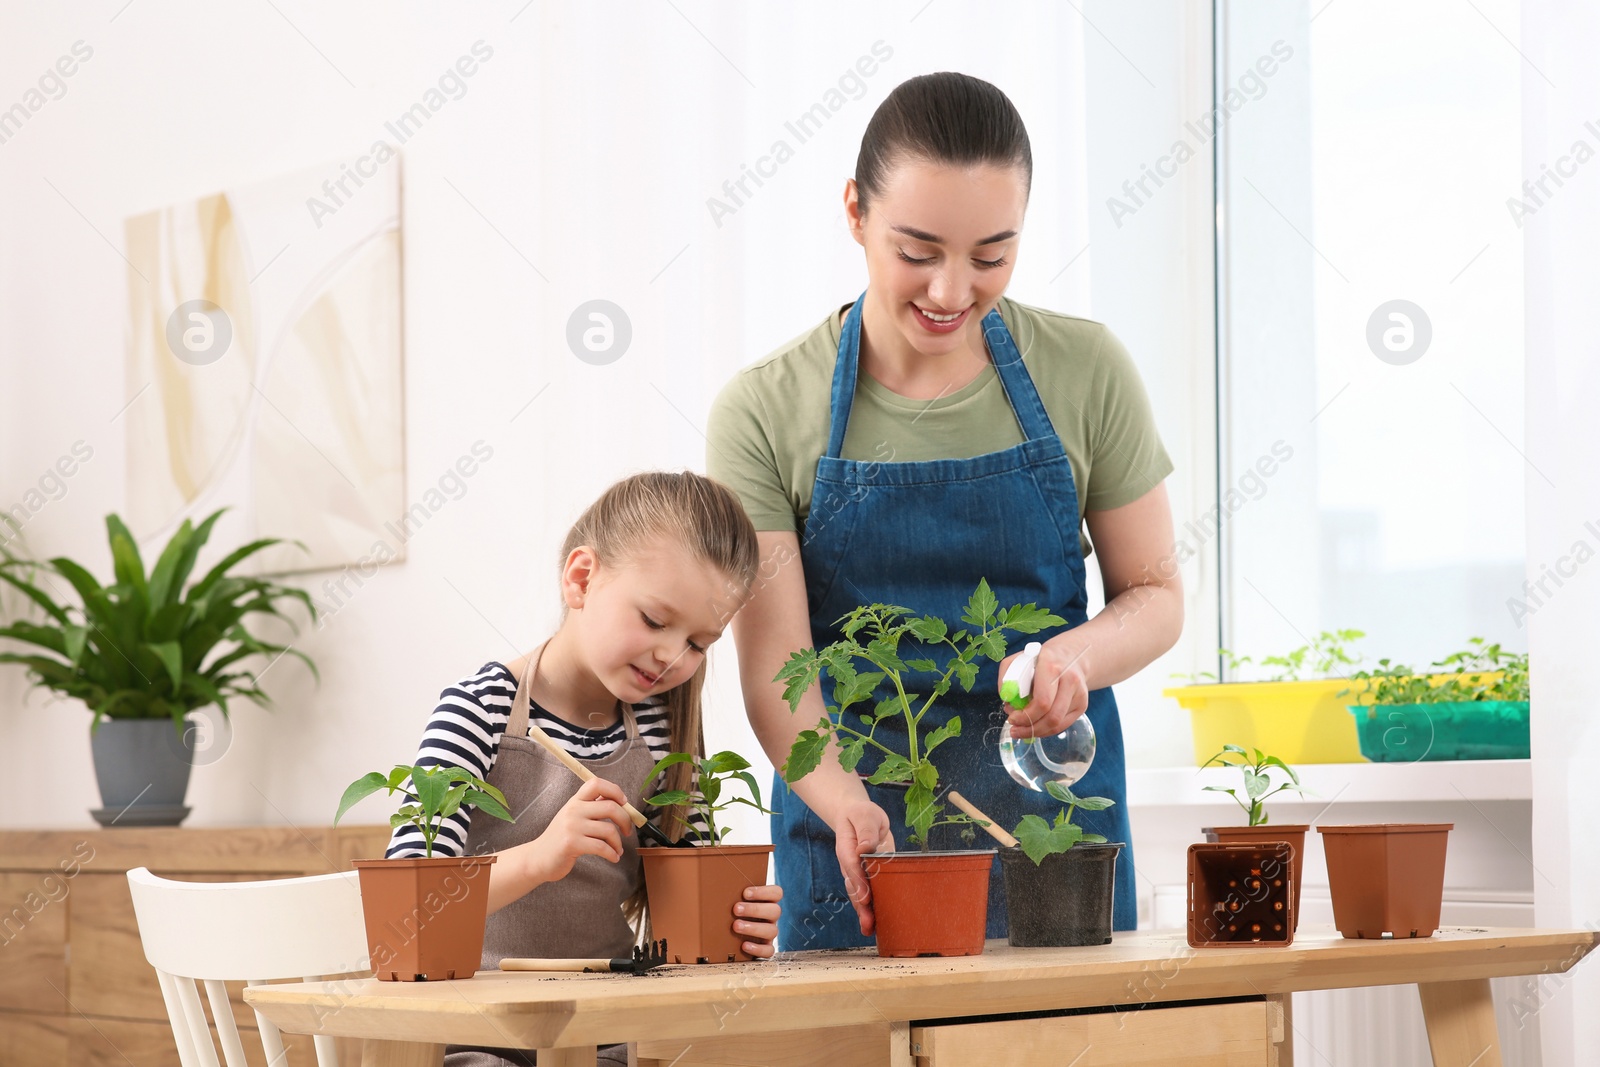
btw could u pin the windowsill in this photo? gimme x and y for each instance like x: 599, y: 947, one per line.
x: 1442, y: 781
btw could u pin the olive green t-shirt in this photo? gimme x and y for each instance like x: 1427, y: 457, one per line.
x: 769, y: 425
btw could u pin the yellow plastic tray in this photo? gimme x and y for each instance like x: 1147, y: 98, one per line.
x: 1299, y: 722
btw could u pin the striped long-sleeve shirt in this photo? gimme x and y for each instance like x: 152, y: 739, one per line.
x: 465, y: 732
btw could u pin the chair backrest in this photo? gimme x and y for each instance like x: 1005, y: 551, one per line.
x: 214, y: 932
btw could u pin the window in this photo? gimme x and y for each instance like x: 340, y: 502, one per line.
x: 1369, y: 261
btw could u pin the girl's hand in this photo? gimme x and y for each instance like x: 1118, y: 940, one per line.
x: 1060, y: 690
x: 756, y: 919
x: 592, y: 823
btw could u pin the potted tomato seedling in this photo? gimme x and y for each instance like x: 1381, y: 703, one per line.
x: 1260, y: 771
x: 692, y: 891
x: 1060, y: 881
x: 425, y: 915
x: 925, y: 902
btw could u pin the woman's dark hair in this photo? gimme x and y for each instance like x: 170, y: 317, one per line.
x: 941, y: 118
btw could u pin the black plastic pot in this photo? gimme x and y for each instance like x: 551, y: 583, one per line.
x: 1064, y: 901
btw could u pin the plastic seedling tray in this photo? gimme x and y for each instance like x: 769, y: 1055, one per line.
x: 1411, y: 733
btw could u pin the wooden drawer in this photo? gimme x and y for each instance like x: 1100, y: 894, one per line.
x: 1243, y: 1034
x: 33, y: 1040
x: 33, y: 937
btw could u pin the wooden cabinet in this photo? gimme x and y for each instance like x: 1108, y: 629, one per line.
x: 74, y: 985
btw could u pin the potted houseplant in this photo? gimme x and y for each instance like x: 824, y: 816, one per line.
x: 1259, y: 769
x: 1060, y: 881
x: 1295, y: 710
x: 1475, y: 707
x: 424, y: 915
x: 926, y: 902
x: 144, y: 653
x: 692, y: 891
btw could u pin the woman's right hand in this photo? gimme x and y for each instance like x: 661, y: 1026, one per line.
x: 860, y: 827
x: 592, y: 823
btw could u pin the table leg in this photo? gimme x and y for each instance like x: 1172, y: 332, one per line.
x: 900, y: 1045
x: 1460, y: 1019
x: 400, y: 1054
x: 579, y: 1056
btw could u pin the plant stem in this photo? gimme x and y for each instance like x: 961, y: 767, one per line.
x: 868, y: 738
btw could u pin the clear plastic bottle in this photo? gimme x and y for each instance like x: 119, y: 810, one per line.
x: 1036, y: 761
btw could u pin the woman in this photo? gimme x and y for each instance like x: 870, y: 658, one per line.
x: 929, y: 434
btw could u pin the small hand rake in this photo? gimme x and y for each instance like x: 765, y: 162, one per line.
x: 645, y: 958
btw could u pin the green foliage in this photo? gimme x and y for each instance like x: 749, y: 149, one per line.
x: 1481, y: 671
x: 712, y: 775
x: 436, y: 793
x: 145, y: 647
x: 872, y: 638
x: 1258, y: 769
x: 1039, y: 838
x: 1327, y: 654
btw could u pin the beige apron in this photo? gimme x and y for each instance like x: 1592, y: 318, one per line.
x: 579, y: 916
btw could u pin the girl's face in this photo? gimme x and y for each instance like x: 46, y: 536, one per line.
x: 645, y: 623
x: 941, y: 243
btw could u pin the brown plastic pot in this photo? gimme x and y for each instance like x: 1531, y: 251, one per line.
x: 1241, y: 895
x: 1293, y: 833
x: 425, y: 917
x: 1386, y: 878
x: 692, y: 892
x: 930, y: 903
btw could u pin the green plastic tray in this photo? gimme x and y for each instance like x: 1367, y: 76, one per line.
x: 1410, y: 733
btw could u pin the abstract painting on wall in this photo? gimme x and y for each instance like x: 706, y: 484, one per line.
x: 265, y: 366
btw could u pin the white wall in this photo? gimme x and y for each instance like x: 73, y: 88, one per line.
x: 577, y: 165
x: 1560, y: 86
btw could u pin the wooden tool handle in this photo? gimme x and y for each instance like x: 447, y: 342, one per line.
x: 552, y: 746
x: 972, y: 809
x: 528, y: 964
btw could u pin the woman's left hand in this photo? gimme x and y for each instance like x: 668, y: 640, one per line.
x: 756, y: 919
x: 1060, y: 691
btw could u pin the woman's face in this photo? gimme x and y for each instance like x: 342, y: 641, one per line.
x: 941, y: 244
x: 645, y: 623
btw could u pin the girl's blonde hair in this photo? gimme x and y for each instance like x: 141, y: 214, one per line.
x: 706, y: 519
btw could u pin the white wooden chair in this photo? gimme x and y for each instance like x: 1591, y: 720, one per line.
x: 300, y: 929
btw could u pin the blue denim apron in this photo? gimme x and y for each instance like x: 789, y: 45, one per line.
x: 921, y: 535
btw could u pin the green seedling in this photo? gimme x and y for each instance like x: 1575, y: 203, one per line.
x: 711, y: 775
x: 436, y: 794
x: 1327, y: 655
x: 1480, y: 672
x: 1258, y: 768
x: 1039, y: 838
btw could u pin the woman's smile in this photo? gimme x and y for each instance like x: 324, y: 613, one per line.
x: 940, y: 321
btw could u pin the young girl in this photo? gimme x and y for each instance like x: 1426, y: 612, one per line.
x: 651, y: 573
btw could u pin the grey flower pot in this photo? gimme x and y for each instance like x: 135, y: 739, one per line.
x: 143, y: 769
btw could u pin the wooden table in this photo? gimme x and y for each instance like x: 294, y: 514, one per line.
x: 1153, y: 1000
